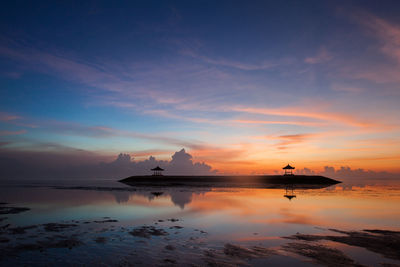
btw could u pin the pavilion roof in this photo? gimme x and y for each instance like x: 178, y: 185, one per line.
x: 157, y: 169
x: 288, y: 167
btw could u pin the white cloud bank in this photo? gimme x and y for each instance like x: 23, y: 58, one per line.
x: 124, y: 166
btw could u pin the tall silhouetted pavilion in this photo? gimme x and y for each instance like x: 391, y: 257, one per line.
x: 288, y: 170
x: 157, y: 171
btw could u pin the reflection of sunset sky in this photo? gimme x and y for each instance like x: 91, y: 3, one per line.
x: 238, y: 213
x: 313, y: 83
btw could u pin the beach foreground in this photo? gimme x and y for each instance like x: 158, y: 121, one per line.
x: 114, y: 224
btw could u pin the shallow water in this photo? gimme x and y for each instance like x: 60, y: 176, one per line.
x: 195, y: 224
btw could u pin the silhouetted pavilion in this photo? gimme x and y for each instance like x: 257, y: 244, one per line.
x: 157, y: 171
x: 288, y: 170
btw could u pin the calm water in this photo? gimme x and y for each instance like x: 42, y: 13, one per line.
x: 196, y: 224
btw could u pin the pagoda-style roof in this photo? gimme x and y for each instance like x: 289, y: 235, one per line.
x: 289, y: 196
x: 288, y: 167
x: 157, y: 169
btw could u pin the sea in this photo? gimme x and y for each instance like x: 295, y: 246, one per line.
x: 106, y: 223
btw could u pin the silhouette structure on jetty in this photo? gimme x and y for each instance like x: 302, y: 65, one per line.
x: 288, y: 170
x: 157, y: 171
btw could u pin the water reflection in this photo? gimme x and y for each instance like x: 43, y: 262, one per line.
x: 179, y: 197
x: 182, y: 196
x: 196, y: 218
x: 121, y: 196
x: 336, y: 206
x: 289, y: 192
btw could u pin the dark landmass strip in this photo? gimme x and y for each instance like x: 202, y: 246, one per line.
x: 266, y: 181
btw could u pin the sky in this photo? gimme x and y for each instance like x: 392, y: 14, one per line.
x: 244, y: 87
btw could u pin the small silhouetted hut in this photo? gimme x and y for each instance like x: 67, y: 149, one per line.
x: 288, y: 170
x: 157, y: 171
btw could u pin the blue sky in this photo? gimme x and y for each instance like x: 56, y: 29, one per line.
x: 240, y: 85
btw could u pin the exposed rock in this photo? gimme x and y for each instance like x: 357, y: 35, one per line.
x: 169, y: 247
x: 101, y: 240
x: 57, y: 227
x: 176, y: 227
x: 20, y: 230
x: 64, y: 243
x: 389, y: 265
x: 4, y: 226
x: 321, y: 254
x: 12, y: 210
x: 214, y: 259
x: 247, y: 253
x: 384, y: 242
x: 147, y: 232
x: 170, y: 261
x: 106, y: 221
x: 46, y: 244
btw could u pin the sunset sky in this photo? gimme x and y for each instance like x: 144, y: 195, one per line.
x: 244, y: 86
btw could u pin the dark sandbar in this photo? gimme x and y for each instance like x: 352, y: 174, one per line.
x: 265, y: 181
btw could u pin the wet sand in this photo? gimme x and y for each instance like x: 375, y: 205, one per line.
x: 172, y: 237
x: 45, y: 238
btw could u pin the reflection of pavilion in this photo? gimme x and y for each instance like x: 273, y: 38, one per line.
x: 289, y: 194
x: 157, y: 171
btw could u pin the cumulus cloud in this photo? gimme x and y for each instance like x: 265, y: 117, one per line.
x: 347, y: 174
x: 83, y: 164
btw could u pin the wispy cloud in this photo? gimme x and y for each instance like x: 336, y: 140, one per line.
x: 12, y: 74
x: 71, y: 128
x: 387, y: 34
x: 292, y: 139
x: 301, y: 123
x: 4, y: 133
x: 264, y: 65
x: 301, y: 112
x: 8, y: 117
x: 322, y: 56
x: 347, y: 88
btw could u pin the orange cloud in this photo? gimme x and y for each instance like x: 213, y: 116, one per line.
x: 292, y: 139
x: 302, y: 123
x: 317, y: 115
